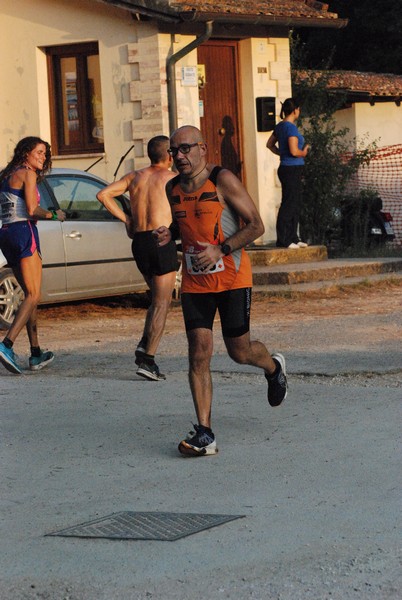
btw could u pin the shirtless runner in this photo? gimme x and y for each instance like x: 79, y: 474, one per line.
x: 150, y: 209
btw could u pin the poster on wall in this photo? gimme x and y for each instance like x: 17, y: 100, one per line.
x: 71, y: 98
x: 189, y: 76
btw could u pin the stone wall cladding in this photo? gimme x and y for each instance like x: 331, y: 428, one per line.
x: 149, y: 89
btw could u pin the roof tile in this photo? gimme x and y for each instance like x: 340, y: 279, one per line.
x: 373, y: 84
x: 279, y: 8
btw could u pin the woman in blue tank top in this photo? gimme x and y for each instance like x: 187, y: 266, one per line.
x: 287, y: 143
x: 19, y: 242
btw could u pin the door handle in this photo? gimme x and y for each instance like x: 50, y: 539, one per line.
x: 75, y: 235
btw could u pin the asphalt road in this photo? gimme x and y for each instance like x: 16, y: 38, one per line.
x: 317, y: 481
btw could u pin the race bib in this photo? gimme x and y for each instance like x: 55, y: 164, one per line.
x: 192, y: 268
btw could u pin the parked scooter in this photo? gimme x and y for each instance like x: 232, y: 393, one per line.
x: 365, y: 220
x: 380, y: 224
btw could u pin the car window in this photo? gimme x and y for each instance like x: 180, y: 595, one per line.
x: 76, y: 195
x: 46, y: 201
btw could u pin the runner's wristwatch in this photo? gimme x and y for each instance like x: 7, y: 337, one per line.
x: 226, y: 249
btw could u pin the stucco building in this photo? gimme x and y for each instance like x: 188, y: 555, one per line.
x: 98, y: 78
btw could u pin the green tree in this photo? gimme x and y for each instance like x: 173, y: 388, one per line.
x: 371, y: 41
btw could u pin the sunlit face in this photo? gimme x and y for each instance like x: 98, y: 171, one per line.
x: 36, y: 158
x: 188, y: 152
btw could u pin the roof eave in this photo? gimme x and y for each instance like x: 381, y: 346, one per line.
x: 196, y: 16
x: 153, y: 10
x: 146, y: 11
x: 368, y: 97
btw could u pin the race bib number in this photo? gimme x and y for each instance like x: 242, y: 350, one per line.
x: 192, y: 269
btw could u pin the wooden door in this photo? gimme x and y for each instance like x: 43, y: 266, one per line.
x: 219, y: 104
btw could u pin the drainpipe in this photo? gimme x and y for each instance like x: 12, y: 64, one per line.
x: 170, y: 73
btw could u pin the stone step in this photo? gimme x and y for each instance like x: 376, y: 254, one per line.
x: 281, y: 278
x: 270, y: 255
x: 322, y: 286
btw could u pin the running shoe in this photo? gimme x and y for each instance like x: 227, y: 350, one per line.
x: 200, y: 442
x: 38, y: 362
x: 302, y: 244
x: 150, y: 372
x: 277, y: 383
x: 9, y: 360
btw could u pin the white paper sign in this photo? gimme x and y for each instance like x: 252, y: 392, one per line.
x: 189, y: 76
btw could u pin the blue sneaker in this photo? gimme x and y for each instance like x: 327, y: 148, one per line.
x: 38, y: 362
x: 9, y: 360
x: 200, y: 442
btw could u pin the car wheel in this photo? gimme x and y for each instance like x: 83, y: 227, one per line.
x: 11, y: 296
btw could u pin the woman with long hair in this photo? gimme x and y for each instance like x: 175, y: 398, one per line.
x: 19, y: 242
x: 287, y: 143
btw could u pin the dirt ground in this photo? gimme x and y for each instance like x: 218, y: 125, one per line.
x: 364, y: 318
x: 281, y: 321
x: 369, y: 298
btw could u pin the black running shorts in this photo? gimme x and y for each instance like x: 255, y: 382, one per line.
x: 152, y: 259
x: 199, y: 311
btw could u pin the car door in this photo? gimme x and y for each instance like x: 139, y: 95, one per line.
x: 98, y: 253
x: 54, y: 283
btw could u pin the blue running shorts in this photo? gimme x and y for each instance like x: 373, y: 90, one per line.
x: 19, y: 240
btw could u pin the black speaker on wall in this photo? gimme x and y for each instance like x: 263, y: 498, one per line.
x: 265, y: 108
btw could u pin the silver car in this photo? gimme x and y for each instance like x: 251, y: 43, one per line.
x: 87, y: 256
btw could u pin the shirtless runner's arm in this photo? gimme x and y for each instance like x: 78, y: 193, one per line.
x: 107, y: 197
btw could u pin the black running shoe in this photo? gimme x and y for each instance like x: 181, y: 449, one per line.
x: 38, y: 362
x: 150, y: 372
x: 277, y: 383
x: 200, y: 442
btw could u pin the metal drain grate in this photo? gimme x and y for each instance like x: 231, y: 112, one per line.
x: 145, y: 526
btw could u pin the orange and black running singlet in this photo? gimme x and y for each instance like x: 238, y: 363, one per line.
x: 201, y: 217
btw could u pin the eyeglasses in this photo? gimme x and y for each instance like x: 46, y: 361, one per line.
x: 183, y: 148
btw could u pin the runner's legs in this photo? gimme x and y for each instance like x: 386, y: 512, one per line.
x: 29, y: 275
x: 200, y: 347
x: 161, y: 287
